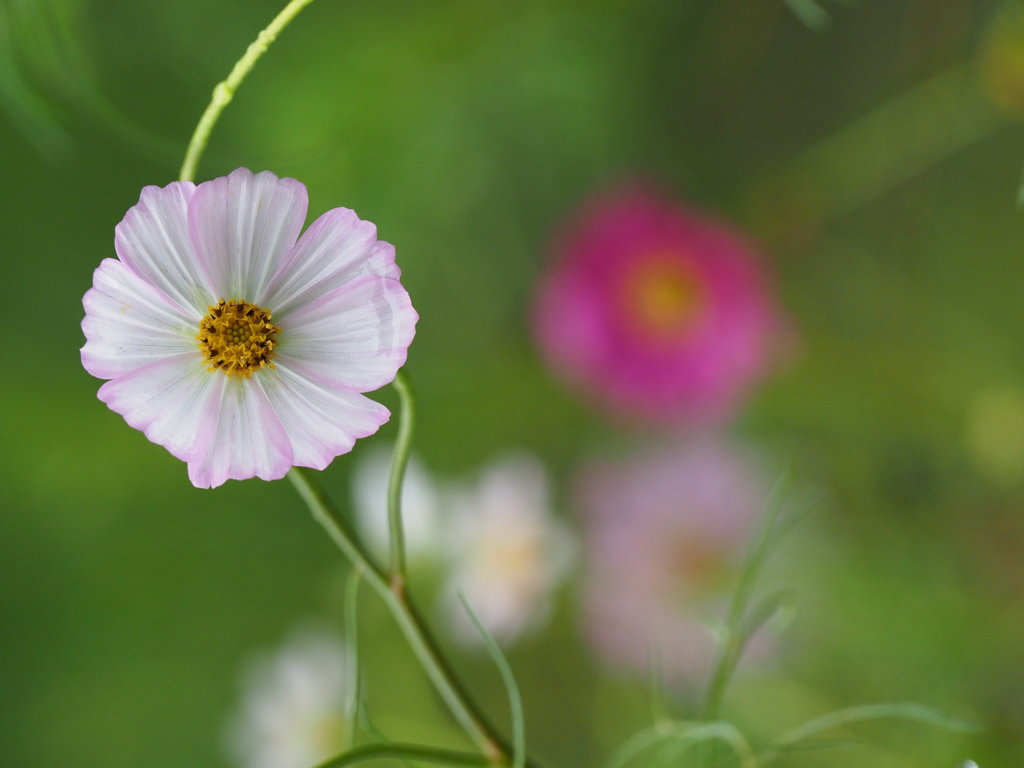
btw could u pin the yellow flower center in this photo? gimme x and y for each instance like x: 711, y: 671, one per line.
x: 237, y: 337
x: 663, y: 297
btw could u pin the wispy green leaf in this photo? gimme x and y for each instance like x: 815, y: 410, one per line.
x: 734, y: 639
x: 779, y: 602
x: 354, y: 691
x: 636, y: 745
x: 515, y: 701
x: 656, y: 683
x: 810, y: 13
x: 376, y: 752
x: 1020, y: 192
x: 674, y: 740
x: 803, y: 735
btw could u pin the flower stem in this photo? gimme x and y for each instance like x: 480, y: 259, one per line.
x: 866, y: 158
x: 376, y: 752
x: 225, y: 90
x: 735, y: 636
x: 473, y: 722
x: 403, y: 447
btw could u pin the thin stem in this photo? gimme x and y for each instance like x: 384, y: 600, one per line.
x: 336, y: 525
x: 515, y: 699
x: 354, y: 693
x: 869, y: 156
x: 866, y: 712
x: 403, y: 447
x: 735, y: 639
x: 224, y: 91
x: 473, y: 722
x: 407, y: 751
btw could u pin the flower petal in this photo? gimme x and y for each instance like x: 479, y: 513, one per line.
x: 336, y: 248
x: 357, y: 336
x: 129, y: 323
x: 153, y: 240
x: 249, y: 441
x: 322, y: 421
x: 243, y: 226
x: 174, y: 401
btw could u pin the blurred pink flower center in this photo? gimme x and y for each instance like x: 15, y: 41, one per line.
x: 695, y: 561
x: 663, y: 296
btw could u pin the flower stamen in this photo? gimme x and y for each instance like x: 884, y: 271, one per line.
x: 237, y: 337
x: 664, y: 296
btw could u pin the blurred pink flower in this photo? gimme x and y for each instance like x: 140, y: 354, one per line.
x: 655, y: 309
x: 663, y: 535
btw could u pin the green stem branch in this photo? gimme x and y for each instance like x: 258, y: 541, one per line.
x: 403, y: 447
x: 403, y: 751
x: 224, y: 91
x: 390, y: 587
x: 473, y: 722
x: 735, y: 637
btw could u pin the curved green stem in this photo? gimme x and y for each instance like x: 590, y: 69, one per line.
x: 390, y: 587
x: 225, y: 90
x: 403, y: 447
x: 909, y: 711
x: 406, y: 751
x: 480, y: 731
x: 354, y: 689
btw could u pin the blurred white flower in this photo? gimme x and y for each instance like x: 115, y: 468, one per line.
x: 969, y: 764
x: 420, y: 504
x: 507, y: 551
x: 291, y: 714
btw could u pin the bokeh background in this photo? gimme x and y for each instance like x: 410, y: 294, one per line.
x: 874, y: 157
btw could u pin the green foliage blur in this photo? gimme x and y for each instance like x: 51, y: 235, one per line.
x: 874, y: 154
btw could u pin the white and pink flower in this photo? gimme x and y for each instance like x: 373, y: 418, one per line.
x: 292, y: 709
x: 508, y: 551
x: 241, y: 347
x: 422, y: 505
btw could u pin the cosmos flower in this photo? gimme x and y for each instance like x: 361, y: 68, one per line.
x: 292, y: 710
x: 663, y: 534
x: 421, y: 504
x: 508, y: 553
x: 654, y: 309
x: 239, y: 346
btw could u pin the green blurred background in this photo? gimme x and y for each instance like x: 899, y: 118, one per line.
x: 877, y: 161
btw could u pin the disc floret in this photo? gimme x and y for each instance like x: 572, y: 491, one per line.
x: 237, y: 337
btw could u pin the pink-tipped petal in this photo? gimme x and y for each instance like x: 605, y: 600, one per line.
x: 338, y: 248
x: 242, y: 227
x: 249, y: 441
x: 356, y: 337
x: 153, y: 241
x: 129, y: 323
x: 175, y: 401
x: 322, y: 421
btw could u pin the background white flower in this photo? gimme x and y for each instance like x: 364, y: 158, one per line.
x: 291, y: 713
x: 421, y: 501
x: 507, y: 552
